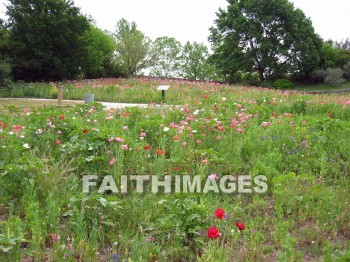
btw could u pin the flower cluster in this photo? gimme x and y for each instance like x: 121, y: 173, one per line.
x: 219, y: 213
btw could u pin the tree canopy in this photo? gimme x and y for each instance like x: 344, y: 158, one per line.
x: 169, y: 57
x: 270, y: 37
x: 134, y: 50
x: 46, y: 39
x: 100, y: 48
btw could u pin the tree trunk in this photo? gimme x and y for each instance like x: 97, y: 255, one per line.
x: 261, y: 74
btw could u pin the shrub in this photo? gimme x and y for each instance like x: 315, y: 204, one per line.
x: 251, y: 79
x: 283, y: 84
x: 318, y: 76
x: 334, y: 77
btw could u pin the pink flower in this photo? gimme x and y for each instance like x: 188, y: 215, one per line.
x: 58, y: 142
x: 124, y: 147
x: 239, y: 130
x: 184, y: 144
x: 125, y: 127
x: 18, y: 128
x: 213, y: 176
x: 198, y: 141
x: 218, y: 138
x: 120, y: 140
x: 110, y: 140
x: 266, y: 124
x: 205, y: 161
x: 239, y: 106
x: 111, y: 162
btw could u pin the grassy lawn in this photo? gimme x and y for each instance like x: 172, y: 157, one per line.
x: 20, y: 103
x: 321, y: 87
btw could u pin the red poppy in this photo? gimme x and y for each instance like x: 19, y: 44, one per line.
x: 213, y: 232
x: 61, y: 117
x: 58, y: 142
x: 176, y: 168
x: 240, y: 226
x: 147, y: 147
x: 160, y: 152
x: 176, y: 138
x: 219, y: 213
x: 85, y: 130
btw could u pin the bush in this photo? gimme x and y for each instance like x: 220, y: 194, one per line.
x: 318, y: 76
x: 251, y: 79
x: 283, y: 84
x: 334, y: 77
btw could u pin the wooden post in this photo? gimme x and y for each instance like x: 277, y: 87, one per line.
x: 60, y: 96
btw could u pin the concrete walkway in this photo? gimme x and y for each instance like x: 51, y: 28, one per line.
x: 107, y: 105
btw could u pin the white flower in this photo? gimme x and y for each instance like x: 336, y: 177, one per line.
x: 223, y: 98
x: 194, y: 131
x: 26, y: 146
x: 166, y: 129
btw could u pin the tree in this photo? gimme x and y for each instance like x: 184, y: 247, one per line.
x: 169, y: 57
x: 46, y: 39
x: 5, y: 67
x: 328, y: 55
x: 134, y: 50
x: 266, y: 36
x: 194, y: 65
x: 343, y: 53
x: 343, y: 44
x: 100, y: 48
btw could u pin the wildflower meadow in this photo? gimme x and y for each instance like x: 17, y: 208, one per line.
x: 241, y: 174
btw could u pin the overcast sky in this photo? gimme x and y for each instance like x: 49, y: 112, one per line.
x: 189, y: 20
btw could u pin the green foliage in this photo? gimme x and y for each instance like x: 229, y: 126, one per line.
x: 251, y: 79
x: 184, y: 215
x: 253, y: 36
x: 46, y: 40
x: 5, y: 71
x: 347, y: 71
x: 169, y: 57
x: 299, y: 107
x: 194, y: 64
x: 100, y: 47
x: 283, y: 84
x: 134, y: 50
x: 328, y: 55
